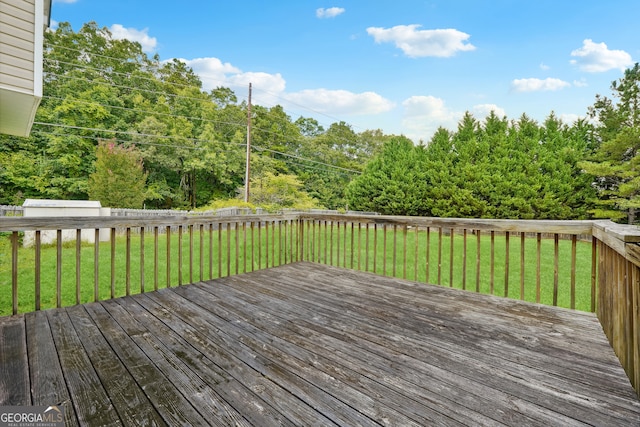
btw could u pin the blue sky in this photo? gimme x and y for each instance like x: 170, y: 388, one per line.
x: 404, y: 66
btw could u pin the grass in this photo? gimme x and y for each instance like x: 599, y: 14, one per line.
x: 330, y: 246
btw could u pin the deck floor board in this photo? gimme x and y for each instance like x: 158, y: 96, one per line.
x: 314, y: 345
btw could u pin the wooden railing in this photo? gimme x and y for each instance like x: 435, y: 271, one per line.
x: 586, y: 265
x: 141, y: 254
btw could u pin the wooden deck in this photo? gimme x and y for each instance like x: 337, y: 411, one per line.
x: 306, y: 344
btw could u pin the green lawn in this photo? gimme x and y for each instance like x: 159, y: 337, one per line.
x: 218, y: 257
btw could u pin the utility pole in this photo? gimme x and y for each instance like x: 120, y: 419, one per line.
x: 247, y: 175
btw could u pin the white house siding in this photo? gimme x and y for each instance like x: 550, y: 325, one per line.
x: 17, y: 41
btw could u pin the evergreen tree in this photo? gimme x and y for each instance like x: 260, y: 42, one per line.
x: 615, y: 164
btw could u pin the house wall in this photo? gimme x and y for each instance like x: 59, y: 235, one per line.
x: 17, y: 45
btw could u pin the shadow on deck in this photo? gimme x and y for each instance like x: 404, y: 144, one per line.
x: 307, y: 344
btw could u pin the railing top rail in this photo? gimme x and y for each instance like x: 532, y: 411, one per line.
x: 95, y: 222
x: 626, y: 233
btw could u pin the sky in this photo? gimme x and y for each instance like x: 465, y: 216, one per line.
x: 403, y: 66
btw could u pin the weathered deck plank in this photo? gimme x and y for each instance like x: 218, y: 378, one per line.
x: 306, y: 344
x: 14, y: 370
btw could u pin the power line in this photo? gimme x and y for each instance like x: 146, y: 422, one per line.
x: 78, y: 66
x: 306, y: 160
x: 222, y: 82
x: 126, y: 141
x: 259, y: 148
x: 137, y: 110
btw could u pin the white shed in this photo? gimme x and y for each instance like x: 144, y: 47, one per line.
x: 22, y: 25
x: 61, y: 208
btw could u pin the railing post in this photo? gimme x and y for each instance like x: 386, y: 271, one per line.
x: 618, y: 300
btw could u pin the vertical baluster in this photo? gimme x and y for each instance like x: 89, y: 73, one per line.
x: 366, y: 244
x: 375, y: 247
x: 128, y: 263
x: 201, y: 257
x: 190, y: 253
x: 96, y: 265
x: 478, y: 262
x: 142, y: 259
x: 266, y: 248
x: 439, y: 255
x: 331, y: 244
x: 573, y: 271
x: 344, y: 246
x: 285, y: 240
x: 384, y: 250
x: 538, y: 264
x: 259, y: 245
x: 359, y: 245
x: 180, y: 240
x: 14, y: 271
x: 78, y: 263
x: 252, y: 246
x: 325, y: 242
x: 38, y: 267
x: 415, y: 254
x: 594, y: 261
x: 522, y: 237
x: 279, y: 242
x: 244, y: 246
x: 273, y: 243
x: 395, y: 244
x: 464, y: 259
x: 168, y: 233
x: 506, y: 265
x: 237, y: 250
x: 313, y: 240
x: 210, y: 250
x: 228, y: 249
x: 291, y: 246
x: 404, y: 251
x: 451, y: 245
x: 58, y: 268
x: 338, y: 244
x: 428, y: 257
x: 155, y: 258
x: 555, y: 267
x: 492, y: 275
x: 219, y: 249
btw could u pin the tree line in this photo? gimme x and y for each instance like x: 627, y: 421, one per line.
x: 191, y: 142
x: 131, y: 130
x: 516, y: 169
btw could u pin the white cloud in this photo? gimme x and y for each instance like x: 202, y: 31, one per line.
x: 536, y: 85
x: 423, y: 115
x: 544, y: 66
x: 569, y: 118
x: 341, y: 102
x: 596, y: 58
x: 482, y: 111
x: 141, y: 36
x: 419, y: 43
x: 269, y: 90
x: 580, y: 83
x: 215, y: 73
x: 331, y: 12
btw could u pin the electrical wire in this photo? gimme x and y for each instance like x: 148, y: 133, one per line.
x: 222, y: 83
x: 78, y: 66
x: 256, y: 147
